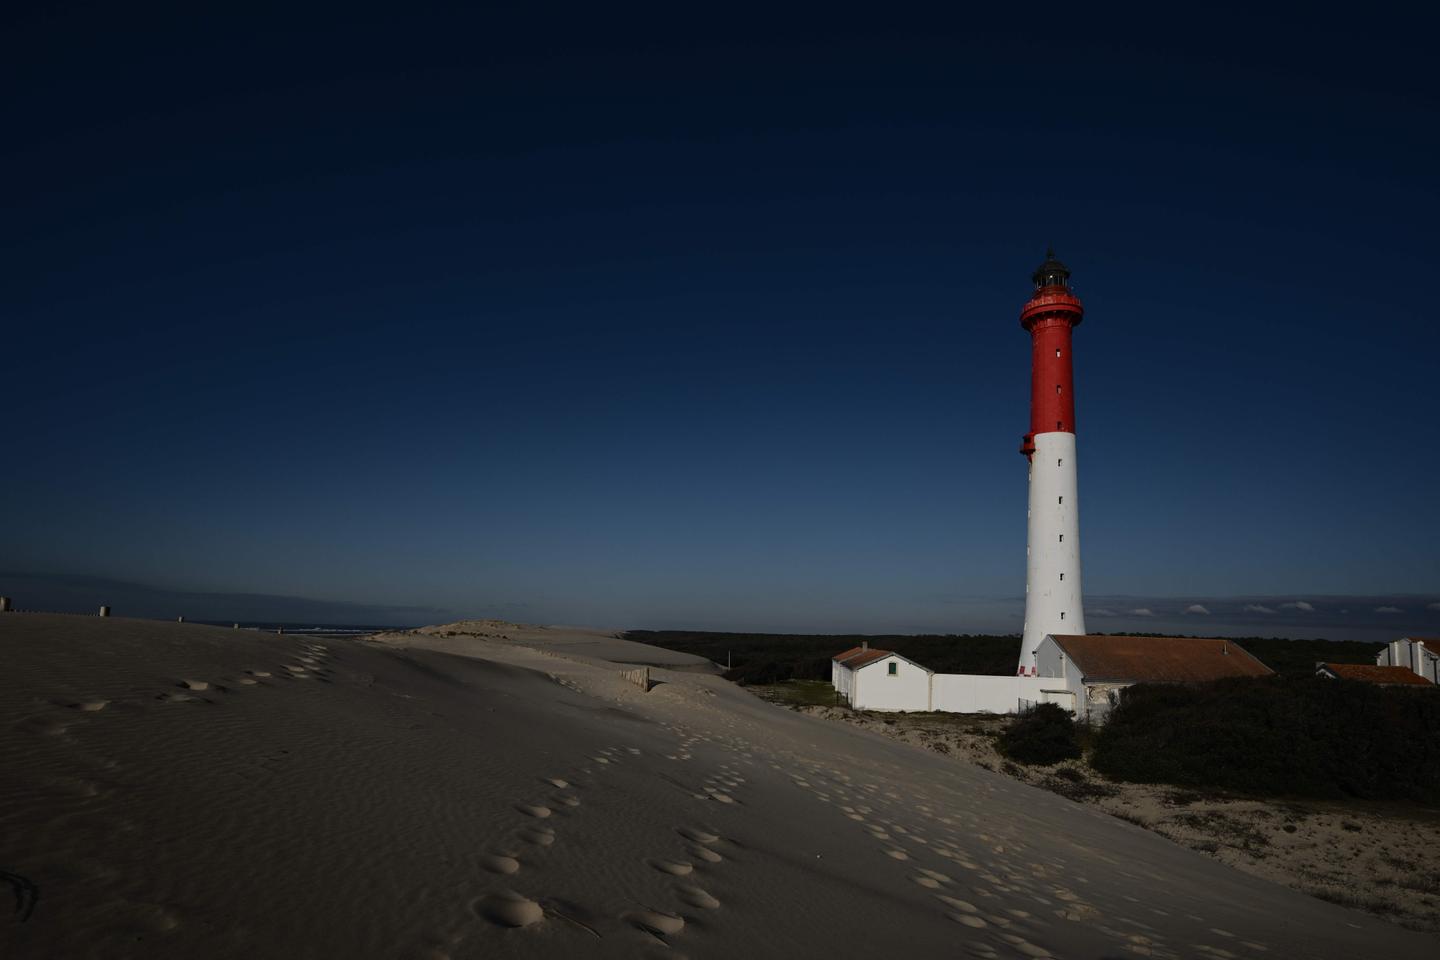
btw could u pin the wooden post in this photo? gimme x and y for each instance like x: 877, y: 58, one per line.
x: 104, y: 611
x: 4, y: 604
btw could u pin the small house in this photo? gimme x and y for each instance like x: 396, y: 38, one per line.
x: 1419, y: 655
x: 1385, y: 675
x: 1095, y: 669
x: 873, y: 679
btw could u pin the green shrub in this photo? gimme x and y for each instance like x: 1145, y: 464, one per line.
x: 1277, y: 735
x: 1044, y: 736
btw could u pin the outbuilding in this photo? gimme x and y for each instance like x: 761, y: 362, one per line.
x: 1419, y: 655
x: 1095, y: 669
x: 872, y: 679
x: 1387, y: 676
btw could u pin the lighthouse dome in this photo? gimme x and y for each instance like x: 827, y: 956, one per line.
x: 1051, y: 273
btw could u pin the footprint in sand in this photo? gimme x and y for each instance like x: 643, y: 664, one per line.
x: 557, y: 782
x: 44, y: 726
x: 196, y: 685
x: 509, y: 909
x: 534, y: 810
x: 897, y: 854
x: 539, y: 836
x: 696, y: 897
x: 92, y: 706
x: 654, y: 921
x: 698, y: 836
x: 676, y: 868
x: 258, y: 673
x: 566, y: 799
x: 704, y: 853
x: 964, y: 906
x: 499, y: 863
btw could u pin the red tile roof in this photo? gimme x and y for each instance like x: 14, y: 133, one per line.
x: 857, y: 657
x: 1158, y: 659
x: 1370, y: 673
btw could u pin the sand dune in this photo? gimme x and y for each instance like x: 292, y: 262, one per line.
x: 174, y: 790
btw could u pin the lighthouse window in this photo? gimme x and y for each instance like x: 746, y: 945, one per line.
x: 1062, y: 538
x: 1062, y: 614
x: 1060, y: 462
x: 1057, y: 425
x: 1059, y: 499
x: 1057, y: 389
x: 1062, y: 576
x: 1057, y: 351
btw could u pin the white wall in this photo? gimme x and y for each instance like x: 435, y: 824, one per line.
x: 1050, y: 660
x: 1054, y: 513
x: 876, y: 689
x: 966, y: 693
x: 840, y: 678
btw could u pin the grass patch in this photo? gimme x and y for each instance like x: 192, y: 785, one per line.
x: 797, y: 693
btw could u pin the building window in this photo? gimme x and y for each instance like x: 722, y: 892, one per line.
x: 894, y: 669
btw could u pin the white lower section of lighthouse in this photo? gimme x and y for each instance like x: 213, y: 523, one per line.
x: 1053, y: 600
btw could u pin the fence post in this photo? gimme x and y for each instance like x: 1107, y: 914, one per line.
x: 4, y: 604
x: 104, y: 611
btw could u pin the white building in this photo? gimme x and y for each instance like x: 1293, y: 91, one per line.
x: 1383, y: 674
x: 1084, y: 674
x: 880, y: 680
x: 1094, y: 670
x: 1420, y: 654
x: 873, y: 679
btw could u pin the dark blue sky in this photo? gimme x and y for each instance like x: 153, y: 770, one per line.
x: 694, y: 317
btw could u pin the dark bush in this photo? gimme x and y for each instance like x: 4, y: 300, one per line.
x: 1044, y: 736
x: 1278, y: 736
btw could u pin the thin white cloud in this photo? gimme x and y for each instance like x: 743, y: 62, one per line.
x: 1257, y: 608
x: 1197, y: 608
x: 1142, y: 612
x: 1388, y: 610
x: 1102, y: 612
x: 1300, y: 605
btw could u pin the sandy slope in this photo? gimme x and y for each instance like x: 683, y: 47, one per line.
x: 1380, y: 857
x: 183, y: 791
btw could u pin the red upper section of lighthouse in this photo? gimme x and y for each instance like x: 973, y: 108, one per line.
x: 1049, y: 315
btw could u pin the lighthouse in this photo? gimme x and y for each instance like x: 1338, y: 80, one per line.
x: 1053, y: 602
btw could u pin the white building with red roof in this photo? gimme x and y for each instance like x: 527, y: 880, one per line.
x: 1420, y: 655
